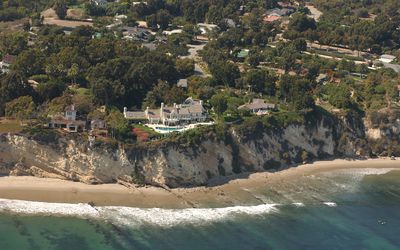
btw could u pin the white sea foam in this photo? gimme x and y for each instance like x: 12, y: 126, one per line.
x: 33, y: 207
x: 173, y: 217
x: 134, y: 216
x: 128, y: 216
x: 330, y: 204
x: 359, y: 174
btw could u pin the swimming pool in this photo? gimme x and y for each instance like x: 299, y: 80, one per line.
x: 169, y: 129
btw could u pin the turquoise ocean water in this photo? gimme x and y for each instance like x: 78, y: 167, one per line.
x: 336, y: 211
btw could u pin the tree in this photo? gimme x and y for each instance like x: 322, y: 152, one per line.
x: 83, y: 103
x: 163, y: 18
x: 106, y: 91
x: 73, y: 72
x: 117, y: 123
x: 219, y: 104
x: 261, y: 81
x: 94, y: 10
x: 300, y: 44
x: 339, y: 96
x: 192, y: 30
x: 287, y: 58
x: 185, y: 67
x: 12, y: 86
x: 300, y: 23
x: 362, y: 69
x: 225, y: 73
x: 200, y: 87
x: 21, y: 108
x: 214, y: 14
x: 296, y: 92
x: 304, y: 10
x: 304, y: 156
x: 30, y: 62
x: 13, y: 42
x: 165, y: 93
x: 345, y: 65
x: 60, y: 8
x: 50, y: 90
x: 151, y: 21
x: 363, y: 12
x: 254, y: 58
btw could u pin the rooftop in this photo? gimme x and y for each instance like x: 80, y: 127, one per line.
x: 258, y: 104
x: 135, y: 115
x: 183, y: 83
x: 280, y: 12
x: 271, y: 18
x: 389, y: 57
x: 70, y: 108
x: 9, y: 59
x: 243, y: 53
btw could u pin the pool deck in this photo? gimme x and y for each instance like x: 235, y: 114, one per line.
x: 164, y: 129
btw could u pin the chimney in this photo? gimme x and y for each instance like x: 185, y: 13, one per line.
x: 201, y: 102
x: 162, y: 111
x: 72, y: 107
x: 175, y: 106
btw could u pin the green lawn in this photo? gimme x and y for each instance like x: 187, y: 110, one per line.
x: 335, y: 54
x: 77, y: 7
x: 146, y: 129
x: 83, y: 91
x: 10, y: 126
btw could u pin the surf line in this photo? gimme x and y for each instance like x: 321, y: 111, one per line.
x: 328, y: 203
x: 112, y: 224
x: 254, y: 196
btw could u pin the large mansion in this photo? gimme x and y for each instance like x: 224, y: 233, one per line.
x: 190, y: 111
x: 68, y: 121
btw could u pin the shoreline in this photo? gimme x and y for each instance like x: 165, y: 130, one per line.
x: 236, y: 192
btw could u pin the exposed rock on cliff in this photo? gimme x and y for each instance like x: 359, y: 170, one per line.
x: 174, y: 164
x: 383, y: 131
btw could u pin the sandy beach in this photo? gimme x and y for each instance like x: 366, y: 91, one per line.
x: 233, y: 192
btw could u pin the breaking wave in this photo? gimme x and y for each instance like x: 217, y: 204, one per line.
x: 173, y: 217
x: 134, y: 216
x: 330, y: 204
x: 129, y: 216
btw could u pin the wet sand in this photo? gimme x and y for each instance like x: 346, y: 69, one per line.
x: 235, y: 192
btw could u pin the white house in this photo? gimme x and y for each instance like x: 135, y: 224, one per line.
x: 387, y: 58
x: 99, y: 2
x: 258, y: 107
x: 68, y: 121
x: 7, y: 62
x: 205, y: 27
x: 190, y: 111
x: 182, y: 83
x: 98, y: 124
x: 171, y: 32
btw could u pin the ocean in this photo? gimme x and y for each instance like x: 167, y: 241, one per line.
x: 357, y: 209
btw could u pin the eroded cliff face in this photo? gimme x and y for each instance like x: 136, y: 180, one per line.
x: 175, y: 165
x: 383, y: 131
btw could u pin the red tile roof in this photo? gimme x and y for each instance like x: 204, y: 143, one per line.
x: 271, y: 18
x: 9, y: 59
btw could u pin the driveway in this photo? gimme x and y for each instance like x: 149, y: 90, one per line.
x: 193, y: 54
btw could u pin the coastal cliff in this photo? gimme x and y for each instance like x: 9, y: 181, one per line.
x: 180, y: 163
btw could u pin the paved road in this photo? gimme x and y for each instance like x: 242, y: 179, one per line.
x: 315, y: 13
x: 193, y: 54
x: 333, y: 58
